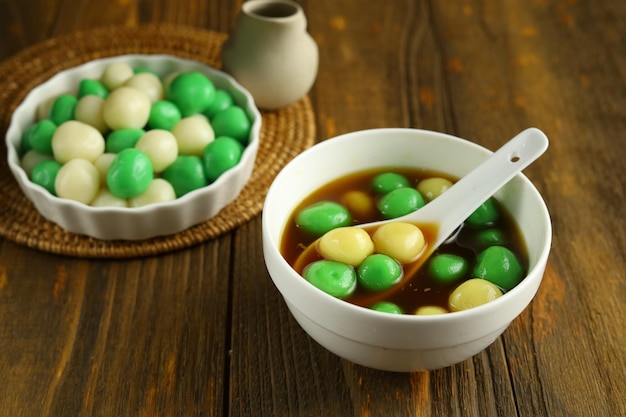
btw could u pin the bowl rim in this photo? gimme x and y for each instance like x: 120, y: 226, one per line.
x: 13, y: 133
x: 380, y: 319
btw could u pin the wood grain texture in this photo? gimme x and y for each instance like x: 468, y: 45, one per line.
x: 203, y: 331
x: 147, y: 334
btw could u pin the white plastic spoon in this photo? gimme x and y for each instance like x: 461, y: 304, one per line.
x: 453, y: 207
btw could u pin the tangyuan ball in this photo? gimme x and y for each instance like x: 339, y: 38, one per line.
x: 160, y: 146
x: 332, y: 277
x: 447, y: 268
x: 430, y: 311
x: 115, y: 74
x: 388, y: 181
x: 379, y: 272
x: 89, y: 110
x: 350, y: 245
x: 232, y: 122
x: 472, y: 293
x: 221, y: 155
x: 186, y: 174
x: 130, y: 173
x: 386, y: 307
x: 160, y: 191
x: 121, y: 139
x: 45, y: 173
x: 25, y: 145
x: 399, y: 202
x: 63, y: 108
x: 40, y: 137
x: 78, y: 180
x: 322, y: 217
x: 402, y: 241
x: 31, y: 159
x: 490, y: 237
x: 92, y: 87
x: 486, y: 214
x: 43, y: 109
x: 164, y: 115
x: 76, y: 139
x: 360, y: 204
x: 222, y: 101
x: 193, y: 134
x: 126, y: 108
x: 192, y: 92
x: 105, y: 198
x: 147, y: 83
x: 432, y: 188
x: 103, y: 162
x: 500, y: 266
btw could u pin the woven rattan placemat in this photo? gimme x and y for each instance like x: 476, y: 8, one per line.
x: 284, y: 134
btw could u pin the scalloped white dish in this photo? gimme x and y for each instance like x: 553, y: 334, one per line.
x: 142, y: 222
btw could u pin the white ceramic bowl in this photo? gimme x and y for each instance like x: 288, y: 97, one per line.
x: 388, y: 341
x: 147, y: 221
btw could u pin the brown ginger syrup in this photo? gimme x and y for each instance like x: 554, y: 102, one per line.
x: 420, y: 289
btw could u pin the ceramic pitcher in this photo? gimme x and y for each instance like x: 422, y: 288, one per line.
x: 270, y: 52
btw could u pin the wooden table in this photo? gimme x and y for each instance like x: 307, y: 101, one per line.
x: 203, y: 331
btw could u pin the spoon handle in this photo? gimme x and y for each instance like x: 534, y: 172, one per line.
x: 468, y: 193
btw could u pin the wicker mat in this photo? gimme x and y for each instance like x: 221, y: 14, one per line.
x: 284, y: 134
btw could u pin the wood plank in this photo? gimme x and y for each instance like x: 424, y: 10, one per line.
x: 204, y: 332
x: 275, y: 368
x: 358, y: 84
x: 528, y: 84
x: 146, y: 334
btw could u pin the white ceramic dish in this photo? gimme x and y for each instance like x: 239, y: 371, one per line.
x: 148, y: 221
x: 386, y: 341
